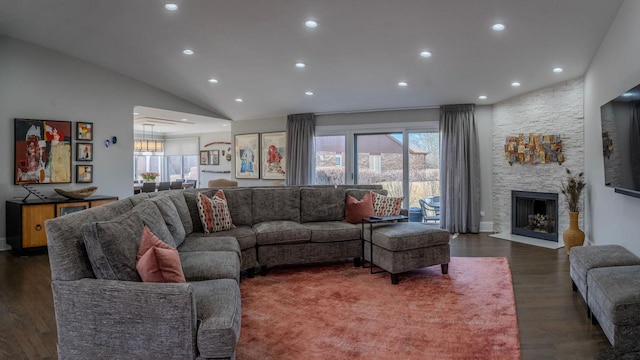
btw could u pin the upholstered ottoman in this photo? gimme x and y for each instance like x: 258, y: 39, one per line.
x: 613, y: 295
x: 584, y: 258
x: 401, y: 247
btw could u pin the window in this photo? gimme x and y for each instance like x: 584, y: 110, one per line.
x: 379, y: 161
x: 144, y: 162
x: 375, y: 163
x: 330, y: 151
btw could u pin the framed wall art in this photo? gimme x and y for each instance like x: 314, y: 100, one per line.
x: 214, y: 156
x: 84, y: 174
x: 204, y: 157
x: 84, y: 151
x: 84, y: 131
x: 272, y: 152
x: 42, y: 151
x: 247, y: 147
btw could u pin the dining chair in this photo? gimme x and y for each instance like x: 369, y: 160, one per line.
x: 164, y: 185
x: 175, y: 185
x: 149, y: 187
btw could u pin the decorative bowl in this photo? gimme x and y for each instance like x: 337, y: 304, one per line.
x: 78, y: 194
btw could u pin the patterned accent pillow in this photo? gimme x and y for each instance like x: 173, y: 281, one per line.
x: 214, y: 212
x: 386, y: 205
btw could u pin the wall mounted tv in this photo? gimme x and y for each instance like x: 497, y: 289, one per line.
x: 620, y: 120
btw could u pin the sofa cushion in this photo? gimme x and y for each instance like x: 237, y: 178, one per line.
x: 171, y: 218
x: 208, y: 242
x: 281, y: 232
x: 112, y: 246
x: 219, y: 314
x: 177, y: 197
x: 210, y: 265
x: 243, y: 234
x: 321, y: 204
x: 613, y: 294
x: 356, y: 210
x: 406, y: 235
x: 157, y: 261
x: 330, y: 231
x: 151, y: 216
x: 214, y: 212
x: 239, y: 201
x: 276, y: 204
x: 386, y: 205
x: 190, y: 198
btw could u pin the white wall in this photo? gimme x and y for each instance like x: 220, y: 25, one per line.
x: 611, y: 218
x: 37, y: 83
x: 554, y: 110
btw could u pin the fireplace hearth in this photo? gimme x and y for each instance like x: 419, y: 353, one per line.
x: 534, y: 214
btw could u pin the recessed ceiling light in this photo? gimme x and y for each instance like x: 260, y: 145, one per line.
x: 558, y: 70
x: 309, y: 93
x: 171, y: 7
x: 301, y: 65
x: 403, y: 84
x: 213, y: 81
x: 498, y: 27
x: 515, y: 84
x: 239, y: 100
x: 310, y: 24
x: 135, y: 113
x: 225, y: 124
x: 184, y: 119
x: 627, y: 94
x: 482, y: 97
x: 187, y: 52
x: 426, y: 54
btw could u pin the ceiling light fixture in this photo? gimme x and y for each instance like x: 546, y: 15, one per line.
x: 308, y: 93
x: 498, y: 27
x: 482, y: 97
x: 171, y: 7
x: 187, y: 52
x: 213, y: 81
x: 148, y: 144
x: 403, y: 84
x: 426, y: 54
x: 558, y: 70
x: 239, y: 100
x: 310, y: 24
x: 135, y: 113
x: 627, y: 94
x: 301, y: 65
x: 184, y: 119
x: 515, y: 84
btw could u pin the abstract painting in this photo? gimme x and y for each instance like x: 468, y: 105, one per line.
x: 84, y: 174
x: 247, y: 159
x: 273, y: 147
x: 42, y: 151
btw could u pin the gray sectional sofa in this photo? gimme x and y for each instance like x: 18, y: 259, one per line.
x: 103, y: 309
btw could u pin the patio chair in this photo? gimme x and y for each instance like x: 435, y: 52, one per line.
x: 429, y: 213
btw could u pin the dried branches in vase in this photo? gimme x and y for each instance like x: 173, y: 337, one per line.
x: 572, y: 190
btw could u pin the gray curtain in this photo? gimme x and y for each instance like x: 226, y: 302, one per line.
x: 300, y: 149
x: 634, y: 144
x: 459, y: 169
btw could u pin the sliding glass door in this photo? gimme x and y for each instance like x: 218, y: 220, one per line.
x: 330, y: 160
x: 379, y: 160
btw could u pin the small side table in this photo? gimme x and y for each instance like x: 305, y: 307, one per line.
x: 375, y: 220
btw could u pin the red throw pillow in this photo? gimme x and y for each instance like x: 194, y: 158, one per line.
x: 386, y: 205
x: 214, y: 212
x: 157, y: 261
x: 356, y: 210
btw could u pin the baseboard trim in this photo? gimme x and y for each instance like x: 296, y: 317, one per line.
x: 3, y: 245
x: 486, y: 226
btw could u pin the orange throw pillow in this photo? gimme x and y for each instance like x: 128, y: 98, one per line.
x: 356, y: 210
x: 214, y: 213
x: 158, y: 262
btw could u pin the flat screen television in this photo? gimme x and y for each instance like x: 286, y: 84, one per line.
x: 620, y: 120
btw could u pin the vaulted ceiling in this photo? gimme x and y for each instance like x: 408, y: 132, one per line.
x: 355, y: 58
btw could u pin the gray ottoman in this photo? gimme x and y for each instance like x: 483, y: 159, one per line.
x: 614, y: 299
x: 584, y: 258
x: 401, y: 247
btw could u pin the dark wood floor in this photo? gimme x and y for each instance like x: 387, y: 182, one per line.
x: 551, y: 318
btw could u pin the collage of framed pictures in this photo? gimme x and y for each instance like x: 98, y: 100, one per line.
x: 261, y: 155
x: 84, y: 152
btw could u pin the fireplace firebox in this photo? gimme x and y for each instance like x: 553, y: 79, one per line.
x: 534, y: 214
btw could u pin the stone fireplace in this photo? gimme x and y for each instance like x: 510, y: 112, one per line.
x: 534, y: 214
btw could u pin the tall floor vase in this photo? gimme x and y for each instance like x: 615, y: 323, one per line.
x: 573, y: 236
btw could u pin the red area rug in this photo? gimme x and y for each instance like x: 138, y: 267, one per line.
x: 342, y: 312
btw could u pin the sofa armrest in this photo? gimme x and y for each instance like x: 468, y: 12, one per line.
x: 121, y: 319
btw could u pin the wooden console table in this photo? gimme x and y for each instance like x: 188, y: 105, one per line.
x: 25, y: 219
